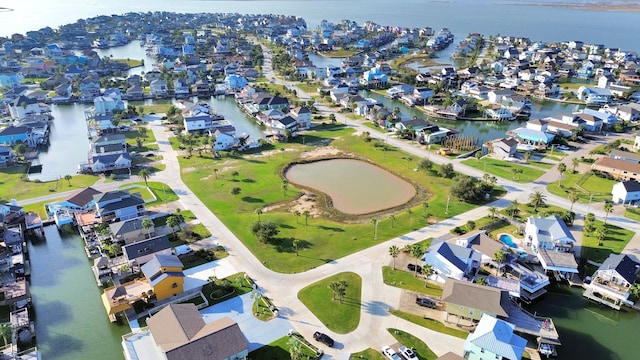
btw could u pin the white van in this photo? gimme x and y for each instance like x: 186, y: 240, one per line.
x: 183, y: 250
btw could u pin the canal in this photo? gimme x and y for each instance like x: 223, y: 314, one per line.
x: 71, y: 322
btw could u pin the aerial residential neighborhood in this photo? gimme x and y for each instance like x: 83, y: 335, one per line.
x: 255, y: 187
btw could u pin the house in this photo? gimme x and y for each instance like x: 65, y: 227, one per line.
x: 178, y: 332
x: 466, y: 300
x: 504, y: 148
x: 159, y: 88
x: 116, y: 205
x: 141, y: 252
x: 7, y: 156
x: 619, y: 169
x: 303, y: 116
x: 480, y: 242
x: 498, y: 112
x: 224, y: 140
x: 494, y: 339
x: 13, y: 135
x: 286, y: 126
x: 131, y: 231
x: 624, y: 155
x: 135, y: 92
x: 451, y: 261
x: 535, y: 132
x: 611, y: 283
x: 79, y: 202
x: 626, y: 192
x: 164, y: 274
x: 594, y: 95
x: 181, y: 88
x: 549, y: 233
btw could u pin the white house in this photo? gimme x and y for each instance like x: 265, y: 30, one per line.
x: 613, y: 279
x: 548, y: 233
x: 303, y: 116
x: 626, y: 192
x: 158, y: 88
x: 452, y: 261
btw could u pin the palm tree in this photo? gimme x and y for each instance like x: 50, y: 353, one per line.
x: 416, y: 252
x: 573, y: 197
x: 575, y: 162
x: 259, y: 212
x: 297, y: 215
x: 527, y: 156
x: 493, y: 211
x: 393, y: 219
x: 235, y: 191
x: 537, y: 199
x: 514, y: 208
x: 306, y: 214
x: 601, y: 233
x: 394, y: 251
x: 409, y: 213
x: 5, y: 332
x: 427, y: 271
x: 235, y: 174
x: 634, y: 292
x: 500, y: 257
x: 296, y: 245
x: 215, y: 173
x: 147, y: 224
x: 608, y: 208
x: 295, y: 349
x: 481, y: 280
x: 285, y: 185
x: 68, y: 178
x: 145, y: 174
x: 562, y: 168
x: 374, y: 221
x: 173, y: 221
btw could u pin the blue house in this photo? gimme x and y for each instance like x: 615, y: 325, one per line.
x: 15, y: 134
x: 235, y: 82
x: 494, y: 339
x: 118, y: 205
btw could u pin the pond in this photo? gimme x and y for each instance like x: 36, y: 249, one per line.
x: 355, y: 187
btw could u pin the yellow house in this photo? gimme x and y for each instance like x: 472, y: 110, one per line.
x: 165, y: 276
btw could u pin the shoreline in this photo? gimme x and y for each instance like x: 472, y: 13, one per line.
x: 589, y: 7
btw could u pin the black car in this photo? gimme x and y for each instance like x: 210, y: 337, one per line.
x: 323, y: 338
x: 426, y: 302
x: 414, y: 268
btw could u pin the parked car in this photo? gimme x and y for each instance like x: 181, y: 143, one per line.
x: 414, y: 268
x: 426, y: 302
x: 407, y: 353
x: 323, y: 338
x: 389, y: 353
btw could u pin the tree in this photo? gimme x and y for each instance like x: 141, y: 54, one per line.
x: 139, y: 142
x: 446, y: 170
x: 295, y: 349
x: 561, y: 169
x: 471, y: 225
x: 147, y: 224
x: 514, y: 208
x: 334, y: 285
x: 285, y: 186
x: 374, y: 221
x: 5, y: 332
x: 235, y: 174
x: 481, y: 280
x: 142, y: 131
x: 394, y: 251
x: 416, y: 252
x: 173, y: 221
x: 478, y: 155
x: 145, y: 174
x: 393, y: 219
x: 467, y: 189
x: 608, y: 208
x: 574, y: 163
x: 235, y: 191
x: 500, y: 257
x: 425, y: 164
x: 537, y: 199
x: 600, y: 233
x: 215, y: 173
x: 306, y: 214
x: 258, y: 212
x: 296, y: 245
x: 527, y: 156
x: 297, y: 215
x: 332, y: 117
x: 20, y: 148
x: 427, y: 271
x: 68, y: 178
x: 634, y: 292
x: 265, y: 232
x: 573, y: 197
x: 124, y: 269
x: 409, y: 213
x: 493, y: 211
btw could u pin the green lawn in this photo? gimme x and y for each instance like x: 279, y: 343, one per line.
x: 130, y: 62
x: 279, y: 350
x: 215, y: 295
x: 368, y: 354
x: 585, y: 185
x: 419, y: 347
x: 198, y: 258
x: 632, y: 213
x: 324, y: 239
x: 146, y: 195
x: 15, y: 185
x: 504, y: 169
x: 615, y: 241
x: 432, y: 324
x: 339, y: 53
x: 338, y: 316
x: 162, y: 191
x: 407, y: 280
x: 38, y: 207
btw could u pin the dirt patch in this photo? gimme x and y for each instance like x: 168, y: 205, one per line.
x: 322, y: 151
x: 305, y: 202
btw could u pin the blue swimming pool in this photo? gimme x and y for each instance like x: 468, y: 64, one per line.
x: 507, y: 240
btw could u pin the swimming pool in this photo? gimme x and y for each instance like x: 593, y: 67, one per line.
x: 507, y: 240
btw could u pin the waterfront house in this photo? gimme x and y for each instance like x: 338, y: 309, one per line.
x: 135, y: 92
x: 89, y: 88
x: 451, y: 261
x: 12, y: 135
x: 131, y: 231
x: 612, y: 281
x: 469, y: 301
x: 549, y: 233
x: 594, y: 95
x: 164, y: 274
x: 504, y: 148
x: 159, y: 88
x: 535, y: 132
x: 498, y: 112
x: 118, y: 205
x: 496, y: 96
x: 284, y: 127
x: 24, y: 105
x: 626, y: 192
x: 303, y: 117
x: 7, y: 156
x: 494, y: 339
x: 178, y: 332
x: 140, y: 252
x: 627, y: 112
x: 108, y: 103
x: 481, y: 243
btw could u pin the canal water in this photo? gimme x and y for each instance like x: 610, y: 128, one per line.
x: 71, y: 322
x: 588, y: 330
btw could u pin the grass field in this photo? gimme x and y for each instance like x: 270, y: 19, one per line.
x: 279, y: 350
x: 504, y: 169
x: 368, y: 354
x: 323, y: 239
x: 614, y: 242
x: 432, y: 324
x: 15, y: 185
x: 338, y: 316
x: 407, y: 280
x: 419, y: 347
x: 585, y: 185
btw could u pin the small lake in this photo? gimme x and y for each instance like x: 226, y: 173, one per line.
x: 355, y: 187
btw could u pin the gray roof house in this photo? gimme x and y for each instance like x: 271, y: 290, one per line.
x: 130, y: 231
x: 549, y: 233
x: 452, y: 261
x: 142, y: 251
x: 611, y: 282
